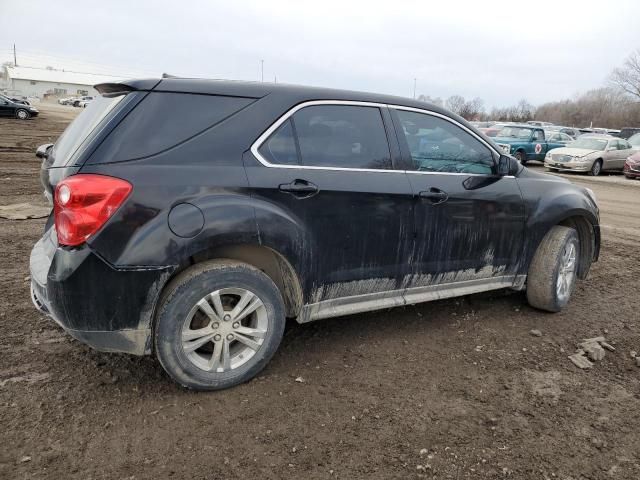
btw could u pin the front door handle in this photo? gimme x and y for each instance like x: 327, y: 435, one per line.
x: 434, y: 195
x: 299, y: 188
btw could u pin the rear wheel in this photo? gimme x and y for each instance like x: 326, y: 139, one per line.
x: 22, y: 114
x: 521, y: 156
x: 596, y: 168
x: 219, y: 324
x: 552, y: 273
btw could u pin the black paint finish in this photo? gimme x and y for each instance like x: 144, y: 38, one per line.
x: 345, y: 233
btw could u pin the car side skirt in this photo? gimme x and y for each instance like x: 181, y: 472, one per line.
x: 395, y: 298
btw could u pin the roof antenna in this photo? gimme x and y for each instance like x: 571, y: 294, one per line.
x: 168, y: 75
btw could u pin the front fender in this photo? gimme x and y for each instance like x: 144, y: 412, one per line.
x: 549, y: 202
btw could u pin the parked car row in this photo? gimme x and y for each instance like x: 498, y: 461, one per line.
x: 491, y: 129
x: 569, y: 149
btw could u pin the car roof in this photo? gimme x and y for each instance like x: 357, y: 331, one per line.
x: 524, y: 125
x: 598, y: 136
x: 296, y: 93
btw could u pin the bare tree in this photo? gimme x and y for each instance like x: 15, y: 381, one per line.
x: 469, y: 110
x: 602, y: 107
x: 472, y: 109
x: 627, y: 77
x: 455, y: 103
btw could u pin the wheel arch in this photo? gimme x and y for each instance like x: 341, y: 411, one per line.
x: 275, y: 265
x: 589, y: 237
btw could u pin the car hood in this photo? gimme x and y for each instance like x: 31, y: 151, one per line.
x: 574, y: 152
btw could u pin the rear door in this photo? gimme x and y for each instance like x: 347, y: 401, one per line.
x: 331, y: 165
x: 6, y: 107
x: 469, y: 221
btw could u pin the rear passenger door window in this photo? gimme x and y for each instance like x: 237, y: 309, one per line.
x: 437, y: 145
x: 342, y: 136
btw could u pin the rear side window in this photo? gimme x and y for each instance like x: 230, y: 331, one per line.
x: 280, y: 147
x: 81, y: 128
x: 163, y: 120
x: 342, y: 136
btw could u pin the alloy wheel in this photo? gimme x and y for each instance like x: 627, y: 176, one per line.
x: 567, y: 271
x: 224, y: 330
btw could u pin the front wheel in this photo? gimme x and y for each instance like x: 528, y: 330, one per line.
x: 22, y: 114
x: 521, y: 157
x: 596, y: 168
x: 553, y: 270
x: 219, y: 324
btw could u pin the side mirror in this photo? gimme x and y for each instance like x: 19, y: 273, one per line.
x: 42, y: 151
x: 611, y: 149
x: 504, y: 165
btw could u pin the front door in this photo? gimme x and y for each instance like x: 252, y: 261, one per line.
x: 469, y: 221
x: 330, y: 167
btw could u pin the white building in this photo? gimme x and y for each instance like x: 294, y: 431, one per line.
x: 41, y: 82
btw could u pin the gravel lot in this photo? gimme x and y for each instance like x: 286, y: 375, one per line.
x: 450, y: 389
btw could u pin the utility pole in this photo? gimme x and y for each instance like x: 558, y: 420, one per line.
x: 262, y: 70
x: 415, y: 80
x: 15, y: 61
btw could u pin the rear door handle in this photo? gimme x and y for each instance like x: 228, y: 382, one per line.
x: 299, y: 188
x: 434, y: 195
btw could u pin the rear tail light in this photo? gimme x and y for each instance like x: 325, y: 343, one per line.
x: 83, y: 203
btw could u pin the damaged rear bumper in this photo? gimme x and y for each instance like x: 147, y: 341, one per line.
x: 107, y: 308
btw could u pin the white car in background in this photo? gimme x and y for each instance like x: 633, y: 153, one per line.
x: 592, y: 154
x: 84, y: 103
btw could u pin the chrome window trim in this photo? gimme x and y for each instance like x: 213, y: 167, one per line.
x: 289, y: 113
x: 274, y: 126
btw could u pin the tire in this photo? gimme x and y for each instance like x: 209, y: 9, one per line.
x: 179, y: 313
x: 596, y: 168
x: 521, y: 157
x: 22, y: 114
x: 545, y: 288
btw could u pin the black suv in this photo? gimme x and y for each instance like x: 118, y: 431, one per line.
x: 192, y: 217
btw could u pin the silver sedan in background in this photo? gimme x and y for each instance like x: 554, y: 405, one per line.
x: 590, y: 153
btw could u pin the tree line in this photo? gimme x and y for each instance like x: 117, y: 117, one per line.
x: 614, y: 105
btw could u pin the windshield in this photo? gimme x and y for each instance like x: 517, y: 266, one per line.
x: 515, y: 132
x: 81, y: 127
x: 635, y: 140
x: 589, y: 143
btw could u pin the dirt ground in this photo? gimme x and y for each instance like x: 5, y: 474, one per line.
x: 451, y: 389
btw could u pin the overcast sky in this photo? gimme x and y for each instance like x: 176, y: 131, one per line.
x: 501, y: 51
